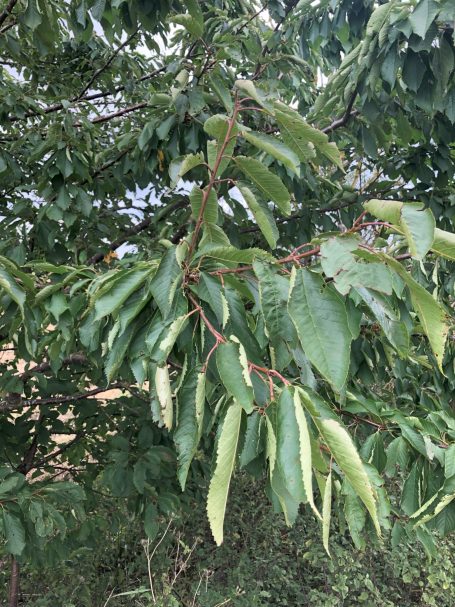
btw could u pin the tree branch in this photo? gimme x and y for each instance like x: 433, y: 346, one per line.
x: 55, y: 400
x: 118, y: 114
x: 58, y: 452
x: 106, y: 65
x: 339, y: 122
x: 7, y: 11
x: 133, y: 231
x: 56, y: 107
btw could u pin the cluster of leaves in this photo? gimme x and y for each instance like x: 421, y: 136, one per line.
x: 287, y: 303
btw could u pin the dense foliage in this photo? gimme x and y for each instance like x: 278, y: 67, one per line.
x: 278, y: 178
x: 262, y: 563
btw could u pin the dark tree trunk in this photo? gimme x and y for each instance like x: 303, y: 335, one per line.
x: 14, y: 584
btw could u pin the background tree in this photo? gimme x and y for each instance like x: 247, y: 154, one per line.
x: 282, y: 174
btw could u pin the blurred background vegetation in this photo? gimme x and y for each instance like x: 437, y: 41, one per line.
x: 262, y: 563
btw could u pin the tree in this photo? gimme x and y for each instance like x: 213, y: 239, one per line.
x: 281, y: 174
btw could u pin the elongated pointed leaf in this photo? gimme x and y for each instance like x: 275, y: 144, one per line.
x: 119, y: 290
x: 301, y: 137
x: 432, y: 316
x: 261, y: 214
x: 345, y: 454
x: 275, y: 148
x: 343, y: 450
x: 305, y: 452
x: 166, y: 281
x: 233, y: 369
x: 269, y: 184
x: 252, y: 444
x: 225, y: 461
x: 191, y: 401
x: 251, y: 90
x: 273, y: 294
x: 164, y: 394
x: 287, y: 503
x: 326, y: 512
x: 289, y: 452
x: 211, y: 204
x: 169, y: 340
x: 320, y: 317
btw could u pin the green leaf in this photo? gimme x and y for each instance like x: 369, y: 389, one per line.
x: 395, y: 330
x: 191, y: 401
x: 355, y: 515
x: 289, y: 447
x: 180, y: 166
x: 151, y: 525
x: 233, y: 369
x: 252, y: 442
x: 414, y: 222
x: 118, y: 351
x: 346, y: 456
x: 302, y: 138
x: 275, y: 148
x: 305, y: 452
x: 164, y: 394
x: 326, y: 512
x: 169, y: 340
x: 444, y: 244
x: 320, y: 318
x: 268, y: 183
x: 14, y: 533
x: 211, y: 204
x: 221, y: 91
x: 118, y: 291
x: 194, y: 26
x: 10, y: 286
x: 225, y: 461
x: 273, y: 294
x: 422, y: 16
x: 261, y: 214
x: 231, y: 254
x: 248, y: 87
x: 339, y: 263
x: 288, y: 505
x: 432, y: 316
x: 166, y: 281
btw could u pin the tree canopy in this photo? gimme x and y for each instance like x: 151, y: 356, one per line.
x: 239, y: 216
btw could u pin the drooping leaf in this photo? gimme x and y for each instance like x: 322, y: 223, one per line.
x: 14, y: 533
x: 166, y: 281
x: 267, y: 182
x: 346, y: 456
x: 109, y: 301
x: 305, y: 452
x: 326, y: 512
x: 197, y: 197
x: 432, y: 316
x: 233, y: 369
x: 225, y: 462
x: 188, y: 432
x: 320, y: 317
x: 289, y: 447
x: 275, y: 148
x: 164, y: 394
x: 262, y: 215
x: 444, y: 244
